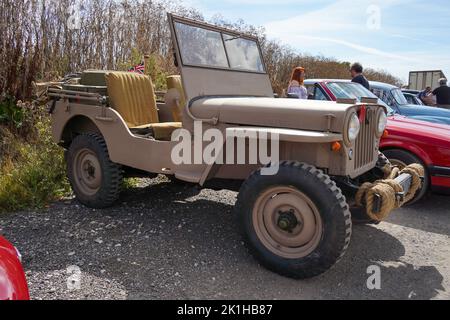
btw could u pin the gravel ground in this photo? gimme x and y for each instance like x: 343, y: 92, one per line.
x: 166, y: 241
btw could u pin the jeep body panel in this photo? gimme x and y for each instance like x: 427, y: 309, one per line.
x: 125, y: 148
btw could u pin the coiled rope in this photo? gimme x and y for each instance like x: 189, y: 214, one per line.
x: 387, y: 189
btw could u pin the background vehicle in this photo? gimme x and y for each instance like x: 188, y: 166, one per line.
x: 414, y: 92
x: 296, y: 221
x: 409, y: 140
x: 419, y: 80
x: 395, y: 99
x: 413, y: 99
x: 13, y: 284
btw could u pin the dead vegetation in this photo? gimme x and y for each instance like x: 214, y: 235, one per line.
x: 46, y: 39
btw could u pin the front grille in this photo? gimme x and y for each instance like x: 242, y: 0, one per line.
x: 365, y: 148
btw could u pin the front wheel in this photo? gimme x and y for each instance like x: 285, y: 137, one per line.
x: 296, y: 223
x: 95, y: 180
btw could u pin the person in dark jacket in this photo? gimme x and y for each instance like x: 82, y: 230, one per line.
x: 357, y: 75
x: 443, y: 94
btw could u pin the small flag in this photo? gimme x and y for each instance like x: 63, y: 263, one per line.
x: 362, y: 114
x: 140, y: 68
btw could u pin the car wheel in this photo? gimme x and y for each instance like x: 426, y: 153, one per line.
x: 296, y: 223
x: 402, y: 159
x: 95, y: 180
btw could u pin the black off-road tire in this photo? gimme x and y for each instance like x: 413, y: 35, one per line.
x: 331, y: 204
x: 110, y: 183
x: 407, y: 158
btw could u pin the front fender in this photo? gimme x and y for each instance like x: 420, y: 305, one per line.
x: 13, y: 284
x: 412, y: 148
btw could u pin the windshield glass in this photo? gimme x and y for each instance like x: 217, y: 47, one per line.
x: 349, y: 90
x: 243, y: 54
x: 399, y: 97
x: 201, y: 46
x: 207, y: 48
x: 345, y: 90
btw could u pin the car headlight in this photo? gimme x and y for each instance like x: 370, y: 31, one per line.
x: 382, y: 123
x: 354, y: 128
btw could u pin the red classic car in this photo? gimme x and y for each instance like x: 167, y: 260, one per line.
x: 408, y: 140
x: 13, y: 284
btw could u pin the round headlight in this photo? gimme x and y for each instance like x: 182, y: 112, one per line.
x: 382, y: 123
x: 354, y: 127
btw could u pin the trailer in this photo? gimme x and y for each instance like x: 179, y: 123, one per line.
x: 419, y: 80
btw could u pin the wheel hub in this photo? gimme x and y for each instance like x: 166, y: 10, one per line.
x: 87, y: 171
x: 287, y: 221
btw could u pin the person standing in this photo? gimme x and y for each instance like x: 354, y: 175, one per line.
x: 356, y: 71
x: 297, y: 84
x: 426, y: 96
x: 442, y: 94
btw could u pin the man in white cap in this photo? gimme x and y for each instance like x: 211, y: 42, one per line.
x: 442, y: 94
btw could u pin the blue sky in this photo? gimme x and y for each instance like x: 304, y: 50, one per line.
x: 395, y: 35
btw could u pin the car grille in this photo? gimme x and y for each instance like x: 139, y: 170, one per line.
x: 364, y: 150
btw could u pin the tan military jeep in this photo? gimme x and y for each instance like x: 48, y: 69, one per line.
x: 295, y: 209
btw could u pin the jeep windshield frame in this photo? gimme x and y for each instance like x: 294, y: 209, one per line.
x: 209, y: 47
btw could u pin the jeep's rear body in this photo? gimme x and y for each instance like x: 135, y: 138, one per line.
x: 223, y: 94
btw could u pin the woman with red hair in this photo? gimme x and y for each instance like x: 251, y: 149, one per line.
x: 296, y: 85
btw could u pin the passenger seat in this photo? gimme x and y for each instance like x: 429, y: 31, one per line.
x: 133, y: 97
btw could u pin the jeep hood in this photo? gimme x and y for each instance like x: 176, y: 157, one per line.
x: 277, y: 113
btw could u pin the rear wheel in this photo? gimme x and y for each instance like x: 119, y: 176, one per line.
x: 402, y: 159
x: 95, y: 180
x: 296, y: 223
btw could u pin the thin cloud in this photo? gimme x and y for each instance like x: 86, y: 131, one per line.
x: 361, y: 48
